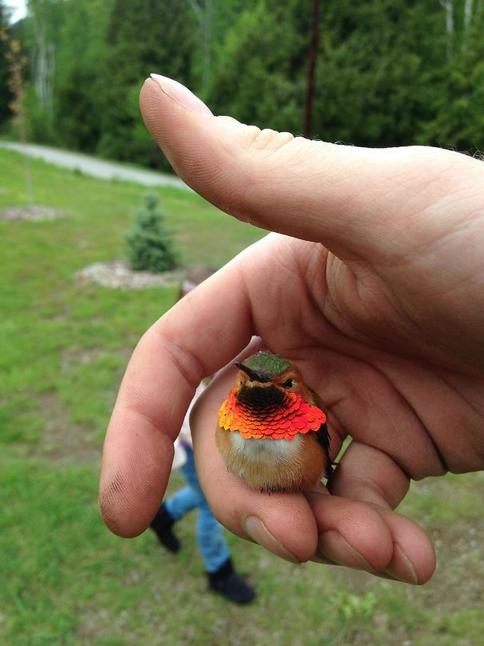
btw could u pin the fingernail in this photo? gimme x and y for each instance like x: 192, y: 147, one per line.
x: 333, y: 546
x: 180, y: 94
x: 401, y: 567
x: 259, y: 533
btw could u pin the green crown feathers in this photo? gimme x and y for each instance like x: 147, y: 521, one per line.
x: 267, y: 363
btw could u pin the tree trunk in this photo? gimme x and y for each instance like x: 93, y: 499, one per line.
x: 44, y: 67
x: 312, y: 59
x: 205, y: 21
x: 448, y: 5
x: 468, y: 13
x: 207, y: 45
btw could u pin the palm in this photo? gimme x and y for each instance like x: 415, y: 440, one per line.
x: 401, y: 402
x: 428, y: 385
x: 363, y: 355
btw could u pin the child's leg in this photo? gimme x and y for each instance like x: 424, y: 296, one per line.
x: 213, y: 547
x: 182, y: 502
x: 210, y: 533
x: 211, y: 539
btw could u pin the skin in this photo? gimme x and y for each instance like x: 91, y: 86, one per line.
x: 373, y: 286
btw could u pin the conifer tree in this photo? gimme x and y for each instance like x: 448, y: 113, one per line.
x: 144, y: 36
x: 150, y: 245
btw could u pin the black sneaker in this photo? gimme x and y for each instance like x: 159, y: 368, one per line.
x: 161, y: 525
x: 230, y: 585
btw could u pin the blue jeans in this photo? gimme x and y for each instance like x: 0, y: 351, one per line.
x: 210, y: 533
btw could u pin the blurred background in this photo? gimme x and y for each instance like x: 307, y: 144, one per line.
x: 374, y: 73
x: 386, y: 72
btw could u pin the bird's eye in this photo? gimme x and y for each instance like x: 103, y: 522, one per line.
x: 289, y: 383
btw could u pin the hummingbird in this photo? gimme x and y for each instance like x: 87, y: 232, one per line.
x: 272, y: 430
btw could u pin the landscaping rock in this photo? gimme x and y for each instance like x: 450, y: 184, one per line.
x: 118, y: 275
x: 31, y: 213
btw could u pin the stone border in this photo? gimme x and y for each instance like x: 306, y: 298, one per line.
x: 116, y: 274
x: 30, y: 214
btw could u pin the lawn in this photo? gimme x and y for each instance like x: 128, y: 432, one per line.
x: 64, y: 578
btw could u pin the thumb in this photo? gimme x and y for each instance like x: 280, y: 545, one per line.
x: 351, y: 199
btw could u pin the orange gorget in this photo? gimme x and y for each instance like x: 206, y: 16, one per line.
x: 283, y: 422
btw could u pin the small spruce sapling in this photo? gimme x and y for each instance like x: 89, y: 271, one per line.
x: 150, y: 245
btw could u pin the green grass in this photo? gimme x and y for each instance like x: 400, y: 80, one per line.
x: 64, y: 578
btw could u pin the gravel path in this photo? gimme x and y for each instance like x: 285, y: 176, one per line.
x: 95, y: 167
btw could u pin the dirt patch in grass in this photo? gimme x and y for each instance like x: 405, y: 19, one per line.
x: 63, y: 442
x: 31, y: 213
x: 71, y: 359
x: 458, y: 582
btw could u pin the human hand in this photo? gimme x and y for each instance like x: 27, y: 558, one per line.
x: 376, y: 292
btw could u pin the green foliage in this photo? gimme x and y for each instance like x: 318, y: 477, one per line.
x: 143, y: 37
x: 374, y: 70
x: 353, y: 606
x: 389, y: 72
x: 261, y: 74
x: 459, y: 108
x: 78, y: 126
x: 82, y: 49
x: 150, y: 245
x: 67, y: 44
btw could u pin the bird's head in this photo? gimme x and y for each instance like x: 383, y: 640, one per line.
x: 264, y: 379
x: 269, y: 400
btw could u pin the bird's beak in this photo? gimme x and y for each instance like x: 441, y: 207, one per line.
x: 253, y: 374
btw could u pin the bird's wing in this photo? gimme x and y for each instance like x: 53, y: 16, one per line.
x: 322, y: 436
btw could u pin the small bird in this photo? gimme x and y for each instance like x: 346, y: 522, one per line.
x: 271, y: 429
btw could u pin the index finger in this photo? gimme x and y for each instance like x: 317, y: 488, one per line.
x: 201, y: 333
